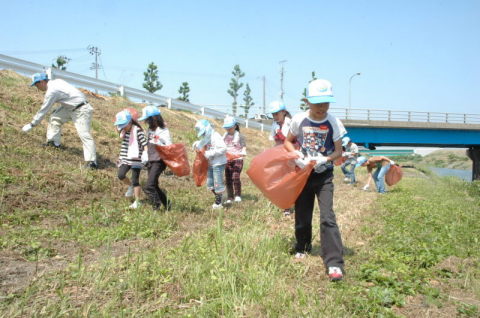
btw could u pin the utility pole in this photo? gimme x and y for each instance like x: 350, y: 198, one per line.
x: 282, y: 72
x: 95, y: 51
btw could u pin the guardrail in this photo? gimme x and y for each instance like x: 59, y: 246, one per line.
x: 407, y: 116
x: 28, y: 68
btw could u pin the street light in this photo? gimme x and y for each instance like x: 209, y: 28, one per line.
x: 350, y: 90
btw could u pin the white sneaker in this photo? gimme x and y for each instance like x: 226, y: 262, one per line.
x: 134, y: 205
x: 300, y: 255
x: 228, y: 202
x: 335, y: 273
x: 216, y: 206
x: 238, y: 199
x: 129, y: 192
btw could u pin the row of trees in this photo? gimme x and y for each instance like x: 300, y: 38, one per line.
x: 152, y: 84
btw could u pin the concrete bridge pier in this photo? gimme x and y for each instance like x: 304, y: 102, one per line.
x: 474, y: 154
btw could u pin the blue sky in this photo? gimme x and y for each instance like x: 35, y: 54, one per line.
x: 412, y: 55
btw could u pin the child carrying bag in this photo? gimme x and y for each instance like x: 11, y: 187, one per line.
x: 274, y: 172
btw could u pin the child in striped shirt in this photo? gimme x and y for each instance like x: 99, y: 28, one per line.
x: 134, y: 145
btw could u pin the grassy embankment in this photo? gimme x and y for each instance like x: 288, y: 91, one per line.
x: 69, y: 246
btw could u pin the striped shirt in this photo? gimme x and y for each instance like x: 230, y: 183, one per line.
x: 142, y: 142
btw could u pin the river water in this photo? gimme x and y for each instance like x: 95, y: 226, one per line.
x: 445, y: 172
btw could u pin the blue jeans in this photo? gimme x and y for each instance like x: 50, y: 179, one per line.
x: 379, y: 178
x: 348, y: 169
x: 215, y: 178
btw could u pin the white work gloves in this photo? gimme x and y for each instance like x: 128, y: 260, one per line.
x: 365, y: 188
x: 303, y: 161
x: 144, y: 157
x: 320, y: 160
x: 195, y: 144
x: 392, y: 162
x: 27, y: 127
x: 209, y: 154
x: 346, y: 154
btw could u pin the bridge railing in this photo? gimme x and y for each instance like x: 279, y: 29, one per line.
x: 408, y: 116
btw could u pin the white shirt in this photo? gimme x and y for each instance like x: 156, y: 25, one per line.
x: 160, y: 137
x: 216, y: 150
x: 59, y: 91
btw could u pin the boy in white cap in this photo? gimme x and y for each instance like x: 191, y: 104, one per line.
x: 73, y: 106
x: 237, y: 148
x: 320, y: 137
x: 351, y: 153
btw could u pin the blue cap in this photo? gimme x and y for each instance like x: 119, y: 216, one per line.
x: 122, y: 119
x: 360, y: 161
x: 229, y: 122
x: 320, y: 91
x: 202, y: 126
x: 37, y: 77
x: 149, y: 111
x: 345, y: 141
x: 276, y: 106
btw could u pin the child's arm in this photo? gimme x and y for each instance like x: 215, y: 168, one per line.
x: 288, y: 143
x: 338, y: 151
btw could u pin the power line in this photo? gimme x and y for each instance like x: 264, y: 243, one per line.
x: 95, y: 51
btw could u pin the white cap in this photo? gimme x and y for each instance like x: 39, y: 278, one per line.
x: 345, y: 141
x: 320, y: 91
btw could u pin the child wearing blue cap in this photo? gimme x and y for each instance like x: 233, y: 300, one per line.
x: 280, y: 128
x: 320, y: 137
x: 382, y: 165
x: 215, y: 151
x: 158, y: 134
x: 134, y: 144
x: 237, y: 149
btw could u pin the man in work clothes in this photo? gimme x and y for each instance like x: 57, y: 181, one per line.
x: 73, y: 106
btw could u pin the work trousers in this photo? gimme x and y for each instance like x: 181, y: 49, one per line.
x: 153, y: 191
x: 232, y: 178
x: 82, y: 119
x: 321, y: 186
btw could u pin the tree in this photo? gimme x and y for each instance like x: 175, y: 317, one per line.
x: 61, y: 62
x: 247, y: 100
x: 235, y: 86
x: 304, y: 106
x: 184, y: 90
x: 151, y: 83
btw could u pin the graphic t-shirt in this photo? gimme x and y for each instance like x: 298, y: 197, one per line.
x: 317, y: 137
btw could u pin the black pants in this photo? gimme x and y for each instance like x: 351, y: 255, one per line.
x: 320, y: 185
x: 154, y: 193
x: 122, y: 173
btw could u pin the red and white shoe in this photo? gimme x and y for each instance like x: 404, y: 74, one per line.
x: 335, y: 273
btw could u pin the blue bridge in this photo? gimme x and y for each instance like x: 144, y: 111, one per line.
x: 372, y: 128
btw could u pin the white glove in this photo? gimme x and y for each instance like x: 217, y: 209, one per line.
x: 365, y: 188
x: 243, y: 152
x: 27, y: 127
x: 195, y: 144
x: 319, y: 160
x: 300, y: 161
x: 209, y: 153
x: 144, y: 157
x: 346, y: 154
x: 392, y: 162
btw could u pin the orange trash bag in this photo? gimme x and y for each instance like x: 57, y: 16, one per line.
x: 200, y: 169
x: 339, y: 161
x: 133, y: 112
x: 175, y: 157
x: 393, y: 175
x: 274, y: 172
